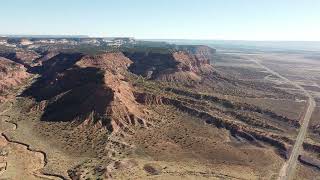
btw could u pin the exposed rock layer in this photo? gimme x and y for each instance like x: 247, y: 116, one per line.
x: 11, y: 75
x: 186, y: 65
x: 87, y: 89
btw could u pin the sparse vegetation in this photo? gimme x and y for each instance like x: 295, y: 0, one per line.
x: 96, y: 114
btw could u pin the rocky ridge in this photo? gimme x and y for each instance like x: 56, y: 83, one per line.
x: 11, y: 75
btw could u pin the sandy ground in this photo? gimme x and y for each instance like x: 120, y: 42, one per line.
x: 16, y: 160
x: 298, y: 68
x: 20, y: 162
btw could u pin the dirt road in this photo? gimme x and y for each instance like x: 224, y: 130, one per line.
x: 288, y: 169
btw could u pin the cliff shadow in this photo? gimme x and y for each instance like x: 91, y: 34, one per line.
x: 74, y: 94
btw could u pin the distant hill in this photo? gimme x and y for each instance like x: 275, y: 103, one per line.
x: 45, y: 36
x: 251, y: 45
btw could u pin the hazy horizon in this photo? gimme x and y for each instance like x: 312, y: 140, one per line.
x: 286, y: 20
x: 215, y: 43
x: 147, y: 39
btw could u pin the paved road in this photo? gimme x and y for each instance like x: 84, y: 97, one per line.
x: 288, y: 169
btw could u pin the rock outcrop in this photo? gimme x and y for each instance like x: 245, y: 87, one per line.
x: 221, y: 121
x: 123, y: 110
x: 23, y: 57
x: 11, y: 75
x: 91, y: 89
x: 184, y: 64
x: 307, y: 160
x: 45, y: 57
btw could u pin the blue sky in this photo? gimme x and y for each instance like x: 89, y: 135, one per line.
x: 165, y: 19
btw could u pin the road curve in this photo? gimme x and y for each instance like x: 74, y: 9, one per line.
x: 288, y: 169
